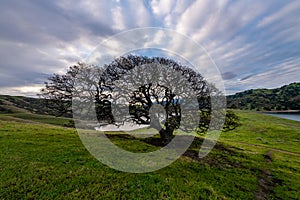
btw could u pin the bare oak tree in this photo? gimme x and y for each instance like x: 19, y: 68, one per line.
x: 155, y: 91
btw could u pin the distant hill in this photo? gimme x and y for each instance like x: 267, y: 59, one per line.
x: 20, y: 104
x: 284, y: 98
x: 30, y: 110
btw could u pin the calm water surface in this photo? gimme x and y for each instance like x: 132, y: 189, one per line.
x: 292, y: 116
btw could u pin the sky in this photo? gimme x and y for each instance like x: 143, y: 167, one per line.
x: 254, y: 43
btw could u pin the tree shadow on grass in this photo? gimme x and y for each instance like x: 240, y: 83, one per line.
x: 220, y: 158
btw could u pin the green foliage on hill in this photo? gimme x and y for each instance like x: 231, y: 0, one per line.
x: 284, y: 98
x: 21, y: 104
x: 15, y: 104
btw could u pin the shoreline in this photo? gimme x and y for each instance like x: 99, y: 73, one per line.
x: 281, y: 111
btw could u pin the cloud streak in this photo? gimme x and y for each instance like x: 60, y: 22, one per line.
x: 252, y: 42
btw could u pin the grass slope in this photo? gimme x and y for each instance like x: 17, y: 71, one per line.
x: 42, y: 161
x: 12, y: 104
x: 29, y: 117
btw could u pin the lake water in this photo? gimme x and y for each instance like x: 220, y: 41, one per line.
x: 125, y: 127
x: 291, y: 116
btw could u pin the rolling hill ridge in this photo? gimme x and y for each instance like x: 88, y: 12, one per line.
x: 286, y: 97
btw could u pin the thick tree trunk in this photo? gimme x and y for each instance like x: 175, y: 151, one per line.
x: 166, y: 135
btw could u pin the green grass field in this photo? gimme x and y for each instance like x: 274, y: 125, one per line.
x: 41, y: 159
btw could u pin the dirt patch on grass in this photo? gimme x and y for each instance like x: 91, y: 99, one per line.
x: 219, y: 161
x: 270, y: 148
x: 266, y: 182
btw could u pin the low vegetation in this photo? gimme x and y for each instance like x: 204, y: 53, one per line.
x: 258, y: 160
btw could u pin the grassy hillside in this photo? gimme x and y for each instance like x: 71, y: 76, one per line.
x: 21, y: 104
x: 259, y: 160
x: 26, y: 109
x: 284, y: 98
x: 13, y: 104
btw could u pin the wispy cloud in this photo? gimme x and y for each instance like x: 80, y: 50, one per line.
x: 252, y: 42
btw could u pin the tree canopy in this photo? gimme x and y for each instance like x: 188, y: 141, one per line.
x: 155, y: 91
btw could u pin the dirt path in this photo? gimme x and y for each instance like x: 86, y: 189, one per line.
x: 270, y: 148
x: 266, y: 182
